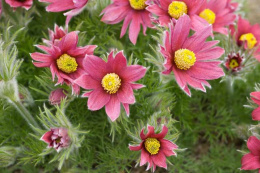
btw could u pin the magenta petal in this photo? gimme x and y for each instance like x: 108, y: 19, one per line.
x: 136, y: 148
x: 159, y: 160
x: 135, y: 27
x: 95, y: 67
x: 167, y: 147
x: 87, y: 82
x: 256, y: 114
x: 136, y: 86
x: 47, y: 137
x: 162, y: 134
x: 145, y: 157
x: 250, y: 162
x: 113, y: 108
x: 69, y: 41
x: 120, y: 62
x: 126, y: 107
x: 255, y: 96
x: 253, y: 145
x: 133, y: 73
x: 126, y: 94
x: 97, y: 99
x: 149, y: 133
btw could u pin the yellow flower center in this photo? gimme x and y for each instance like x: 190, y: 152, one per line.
x: 184, y: 59
x: 111, y: 83
x: 233, y: 64
x: 208, y: 15
x: 138, y: 4
x: 177, y: 8
x: 67, y: 63
x: 250, y: 38
x: 152, y: 145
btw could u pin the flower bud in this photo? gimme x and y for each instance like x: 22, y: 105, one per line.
x: 56, y: 96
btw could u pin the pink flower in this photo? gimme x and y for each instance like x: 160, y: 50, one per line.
x: 172, y: 10
x: 75, y: 7
x: 132, y: 12
x: 251, y: 160
x: 154, y: 148
x: 64, y: 60
x: 111, y: 83
x: 56, y: 96
x: 247, y: 35
x: 56, y: 35
x: 234, y: 62
x: 218, y: 13
x: 255, y: 96
x: 57, y: 138
x: 192, y: 59
x: 27, y: 4
x: 233, y: 6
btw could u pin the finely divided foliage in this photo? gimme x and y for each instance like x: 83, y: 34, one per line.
x: 77, y: 95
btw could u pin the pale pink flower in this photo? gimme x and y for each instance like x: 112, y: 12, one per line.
x: 56, y: 35
x: 75, y: 7
x: 64, y: 60
x: 57, y: 138
x: 56, y: 96
x: 27, y: 4
x: 111, y: 83
x: 154, y: 148
x: 132, y: 12
x: 191, y: 59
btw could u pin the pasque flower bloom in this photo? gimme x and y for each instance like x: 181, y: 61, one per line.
x: 75, y: 7
x: 255, y: 96
x: 154, y: 148
x: 234, y: 62
x: 27, y: 4
x: 64, y: 60
x: 171, y: 10
x: 132, y: 12
x: 218, y: 13
x: 192, y: 59
x: 111, y: 83
x: 57, y: 138
x: 56, y: 35
x: 251, y: 160
x: 247, y: 35
x: 56, y: 96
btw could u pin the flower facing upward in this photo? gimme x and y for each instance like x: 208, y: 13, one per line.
x: 57, y: 138
x: 56, y: 35
x: 172, y: 10
x: 255, y: 96
x: 75, y: 7
x: 154, y: 148
x: 133, y: 13
x: 220, y: 14
x: 192, y: 59
x: 234, y: 62
x: 247, y: 35
x: 27, y: 4
x: 65, y: 59
x: 56, y: 96
x: 251, y: 160
x: 111, y: 83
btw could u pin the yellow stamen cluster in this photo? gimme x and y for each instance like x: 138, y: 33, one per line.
x: 67, y: 63
x: 111, y: 83
x: 138, y: 4
x: 208, y: 15
x: 177, y: 8
x: 250, y: 38
x: 233, y: 64
x: 184, y: 59
x: 152, y: 145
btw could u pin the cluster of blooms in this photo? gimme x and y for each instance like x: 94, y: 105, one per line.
x: 191, y: 58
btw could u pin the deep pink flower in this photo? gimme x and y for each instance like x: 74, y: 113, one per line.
x: 192, y: 59
x: 234, y: 62
x: 132, y: 12
x: 56, y: 35
x: 171, y: 10
x: 154, y: 148
x: 56, y: 96
x: 57, y: 138
x: 247, y: 35
x: 218, y: 13
x: 251, y: 160
x: 111, y: 83
x: 64, y: 60
x: 27, y: 4
x: 75, y: 7
x: 255, y: 96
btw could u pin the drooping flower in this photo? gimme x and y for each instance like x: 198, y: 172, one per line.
x: 56, y: 35
x: 57, y: 138
x: 218, y: 13
x: 132, y: 12
x: 75, y: 7
x: 255, y: 96
x: 56, y: 96
x: 64, y: 60
x: 111, y: 83
x: 234, y: 62
x: 247, y: 35
x: 171, y: 10
x: 27, y: 4
x: 191, y: 59
x: 251, y: 160
x: 154, y: 148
